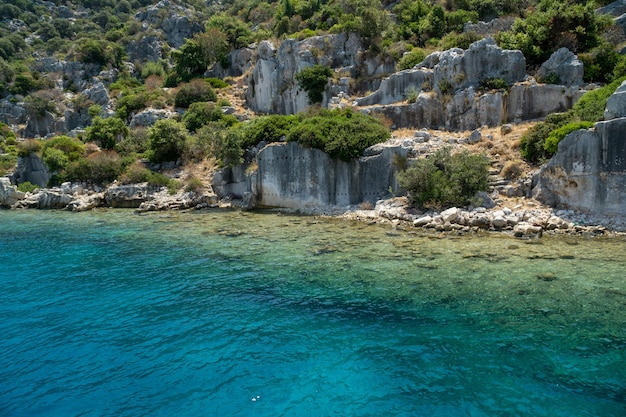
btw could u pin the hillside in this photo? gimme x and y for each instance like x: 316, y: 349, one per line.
x: 168, y: 92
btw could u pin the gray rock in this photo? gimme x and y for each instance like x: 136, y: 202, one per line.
x: 422, y: 221
x: 12, y: 113
x: 127, y: 196
x: 395, y: 87
x: 147, y: 48
x: 616, y: 104
x: 480, y: 220
x: 40, y: 125
x: 45, y: 199
x: 149, y: 117
x: 32, y: 169
x: 524, y: 229
x: 483, y: 60
x: 588, y: 172
x: 450, y: 215
x: 475, y: 137
x: 97, y: 93
x: 9, y: 195
x: 565, y: 66
x: 289, y: 175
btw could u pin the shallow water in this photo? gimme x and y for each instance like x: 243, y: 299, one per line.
x: 250, y: 314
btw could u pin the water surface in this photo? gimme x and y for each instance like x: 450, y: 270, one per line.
x: 251, y: 314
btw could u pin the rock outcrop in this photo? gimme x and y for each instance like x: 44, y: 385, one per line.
x: 273, y: 88
x: 563, y: 67
x: 289, y: 175
x: 588, y: 171
x: 483, y: 60
x: 447, y: 91
x: 32, y: 169
x: 177, y: 23
x: 9, y: 195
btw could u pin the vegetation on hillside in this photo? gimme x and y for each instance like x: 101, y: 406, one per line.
x: 99, y: 33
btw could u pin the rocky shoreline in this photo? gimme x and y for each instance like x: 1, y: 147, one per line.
x: 528, y: 219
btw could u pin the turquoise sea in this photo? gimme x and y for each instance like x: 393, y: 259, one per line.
x: 226, y: 313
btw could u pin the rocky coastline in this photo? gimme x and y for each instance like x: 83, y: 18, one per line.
x: 522, y: 218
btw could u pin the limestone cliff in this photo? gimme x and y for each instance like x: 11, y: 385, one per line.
x: 588, y: 172
x: 289, y: 175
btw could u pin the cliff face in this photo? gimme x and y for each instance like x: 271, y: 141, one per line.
x: 288, y: 175
x: 272, y: 85
x: 448, y: 90
x: 588, y: 172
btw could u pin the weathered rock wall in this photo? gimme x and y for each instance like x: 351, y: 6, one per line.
x: 32, y: 169
x: 588, y: 171
x: 273, y: 88
x: 289, y: 175
x: 468, y: 109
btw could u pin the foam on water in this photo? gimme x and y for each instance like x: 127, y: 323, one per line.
x: 250, y: 314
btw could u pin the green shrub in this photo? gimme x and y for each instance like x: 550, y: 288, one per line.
x: 8, y: 162
x: 135, y: 143
x: 200, y: 114
x: 106, y: 132
x: 194, y: 91
x: 216, y: 82
x: 227, y: 146
x: 552, y: 141
x: 445, y: 179
x: 267, y: 129
x: 27, y: 187
x: 28, y: 147
x: 137, y: 173
x: 458, y: 40
x: 550, y: 78
x: 493, y: 84
x: 167, y: 141
x: 341, y: 133
x: 313, y: 80
x: 59, y: 151
x: 99, y: 168
x: 591, y: 106
x: 194, y: 184
x: 411, y: 59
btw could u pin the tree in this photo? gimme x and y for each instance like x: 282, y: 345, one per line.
x: 313, y: 80
x: 445, y: 179
x: 198, y: 53
x: 167, y: 140
x: 107, y: 132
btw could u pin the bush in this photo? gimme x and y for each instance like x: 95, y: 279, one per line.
x: 167, y: 141
x: 493, y: 84
x: 341, y: 133
x: 194, y: 91
x: 227, y: 146
x: 313, y: 80
x: 28, y: 147
x: 138, y: 173
x: 27, y: 187
x: 267, y: 129
x: 106, y: 132
x: 99, y: 168
x: 512, y: 170
x: 552, y: 141
x: 194, y: 184
x: 135, y: 143
x: 445, y: 179
x: 200, y: 114
x: 8, y: 162
x: 411, y: 59
x: 591, y: 106
x: 59, y: 151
